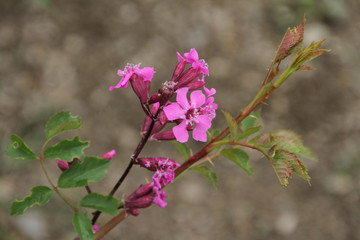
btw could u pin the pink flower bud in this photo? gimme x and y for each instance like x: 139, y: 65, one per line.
x: 63, y: 165
x: 142, y: 202
x: 133, y: 211
x: 164, y: 136
x: 109, y: 155
x: 148, y: 163
x: 178, y: 70
x: 155, y: 98
x: 187, y: 77
x: 141, y: 191
x: 195, y: 85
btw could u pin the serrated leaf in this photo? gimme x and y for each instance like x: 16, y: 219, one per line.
x: 233, y: 126
x: 182, y: 148
x: 208, y: 173
x: 107, y: 204
x: 239, y: 157
x: 291, y: 40
x: 92, y: 169
x: 286, y: 163
x: 248, y: 132
x: 282, y: 170
x: 250, y: 120
x: 83, y: 227
x: 66, y: 150
x: 307, y: 54
x: 40, y: 195
x: 18, y: 149
x: 61, y: 122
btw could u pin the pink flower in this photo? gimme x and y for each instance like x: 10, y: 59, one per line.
x: 145, y: 73
x: 192, y: 58
x: 164, y: 171
x: 109, y: 155
x: 199, y: 112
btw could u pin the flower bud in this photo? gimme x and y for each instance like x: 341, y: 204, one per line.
x: 195, y: 85
x: 133, y: 211
x: 187, y: 77
x: 178, y: 70
x: 63, y: 165
x: 142, y: 202
x: 164, y: 136
x: 140, y: 192
x: 148, y: 163
x: 109, y: 155
x: 154, y: 98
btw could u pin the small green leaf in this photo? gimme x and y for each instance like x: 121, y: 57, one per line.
x: 61, y: 122
x: 208, y: 173
x: 250, y: 120
x: 239, y: 157
x: 18, y: 149
x: 182, y: 148
x: 248, y: 132
x: 83, y: 227
x: 233, y: 126
x: 66, y: 150
x: 92, y: 169
x: 39, y: 195
x: 107, y: 204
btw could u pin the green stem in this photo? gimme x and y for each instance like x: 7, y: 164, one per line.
x: 54, y: 187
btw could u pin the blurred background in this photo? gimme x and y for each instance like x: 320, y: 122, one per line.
x: 63, y: 55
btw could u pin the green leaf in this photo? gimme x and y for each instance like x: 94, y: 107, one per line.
x: 83, y: 227
x: 66, y: 150
x: 248, y: 132
x: 39, y: 195
x: 208, y: 173
x: 233, y: 126
x: 239, y: 157
x: 250, y: 120
x: 18, y: 149
x: 92, y: 169
x: 182, y: 148
x: 107, y: 204
x: 61, y: 122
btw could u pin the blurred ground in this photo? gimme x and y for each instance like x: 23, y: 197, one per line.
x: 63, y: 55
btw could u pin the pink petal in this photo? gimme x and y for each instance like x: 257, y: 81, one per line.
x: 191, y: 56
x: 181, y: 133
x: 201, y: 128
x: 181, y: 98
x: 179, y: 57
x: 209, y: 92
x: 174, y: 111
x: 109, y: 155
x: 146, y: 73
x: 197, y: 99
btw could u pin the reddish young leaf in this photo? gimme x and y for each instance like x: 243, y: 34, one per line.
x: 292, y: 39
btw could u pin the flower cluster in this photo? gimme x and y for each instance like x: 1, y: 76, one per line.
x: 194, y: 114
